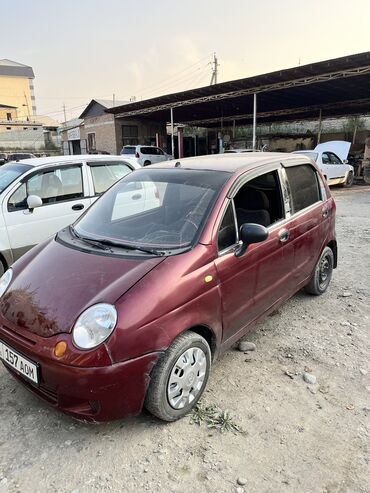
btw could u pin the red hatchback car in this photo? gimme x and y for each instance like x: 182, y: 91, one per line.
x: 130, y: 305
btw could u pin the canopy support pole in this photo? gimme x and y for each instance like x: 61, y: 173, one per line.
x: 254, y: 120
x: 172, y: 136
x: 319, y: 130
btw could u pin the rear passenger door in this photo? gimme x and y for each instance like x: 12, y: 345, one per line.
x: 306, y: 224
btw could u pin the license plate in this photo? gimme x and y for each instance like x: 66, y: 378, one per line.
x: 21, y: 364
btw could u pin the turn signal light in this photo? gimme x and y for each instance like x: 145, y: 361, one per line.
x: 60, y: 349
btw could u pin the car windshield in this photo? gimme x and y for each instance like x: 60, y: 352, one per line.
x: 158, y: 209
x: 312, y: 155
x: 128, y: 150
x: 10, y: 172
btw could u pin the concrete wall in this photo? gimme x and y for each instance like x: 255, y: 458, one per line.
x: 18, y: 138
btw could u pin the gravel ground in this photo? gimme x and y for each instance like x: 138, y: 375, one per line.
x: 298, y: 437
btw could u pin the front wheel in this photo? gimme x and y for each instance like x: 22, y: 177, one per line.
x: 323, y: 271
x: 349, y: 180
x: 179, y: 378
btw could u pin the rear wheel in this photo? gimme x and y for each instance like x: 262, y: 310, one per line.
x: 323, y: 271
x: 179, y: 378
x: 146, y: 163
x: 349, y: 180
x: 2, y: 268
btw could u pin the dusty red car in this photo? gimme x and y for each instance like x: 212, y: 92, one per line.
x: 129, y: 306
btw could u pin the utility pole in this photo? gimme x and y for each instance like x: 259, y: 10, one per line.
x: 214, y: 64
x: 114, y: 100
x: 64, y: 111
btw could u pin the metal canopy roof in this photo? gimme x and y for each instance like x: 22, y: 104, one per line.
x: 338, y: 87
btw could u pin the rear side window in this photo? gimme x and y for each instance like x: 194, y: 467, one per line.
x: 105, y: 174
x: 304, y: 186
x: 227, y: 231
x: 148, y: 150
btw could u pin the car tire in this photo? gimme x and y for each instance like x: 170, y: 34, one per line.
x: 146, y: 163
x: 322, y: 275
x: 2, y: 268
x: 349, y: 180
x: 179, y: 377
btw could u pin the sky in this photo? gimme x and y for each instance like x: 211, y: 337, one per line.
x: 85, y: 49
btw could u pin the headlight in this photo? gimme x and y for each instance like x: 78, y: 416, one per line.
x: 5, y: 281
x: 94, y: 326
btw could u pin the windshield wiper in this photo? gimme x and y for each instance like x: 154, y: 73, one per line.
x: 130, y: 247
x: 100, y: 242
x: 90, y: 241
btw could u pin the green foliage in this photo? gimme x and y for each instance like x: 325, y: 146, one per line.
x: 214, y: 418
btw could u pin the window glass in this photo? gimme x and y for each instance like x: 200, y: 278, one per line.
x: 334, y: 159
x: 148, y: 150
x: 18, y: 199
x: 130, y: 131
x: 166, y: 211
x: 227, y: 230
x: 303, y: 185
x: 128, y: 150
x: 51, y: 186
x: 10, y: 172
x: 325, y: 158
x: 260, y: 201
x: 322, y: 188
x: 105, y: 174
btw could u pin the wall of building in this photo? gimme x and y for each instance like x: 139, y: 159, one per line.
x: 18, y: 91
x: 146, y: 133
x: 4, y: 112
x: 103, y: 129
x: 21, y: 136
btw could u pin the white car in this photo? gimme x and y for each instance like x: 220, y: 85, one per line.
x: 40, y: 196
x: 331, y: 157
x: 145, y: 155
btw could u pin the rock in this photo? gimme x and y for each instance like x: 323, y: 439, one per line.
x: 309, y: 378
x: 68, y: 443
x: 346, y: 294
x: 363, y: 372
x: 241, y: 481
x: 246, y: 346
x: 239, y: 490
x: 345, y: 324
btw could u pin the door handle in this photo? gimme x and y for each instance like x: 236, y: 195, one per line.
x: 137, y: 196
x: 284, y: 235
x: 325, y: 212
x: 77, y: 207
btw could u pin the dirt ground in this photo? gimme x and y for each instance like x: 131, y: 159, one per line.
x: 298, y: 437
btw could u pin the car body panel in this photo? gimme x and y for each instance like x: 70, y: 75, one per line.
x: 156, y: 298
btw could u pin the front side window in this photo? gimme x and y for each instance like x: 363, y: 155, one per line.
x: 334, y: 159
x: 158, y: 209
x: 304, y: 186
x: 105, y: 174
x: 325, y: 158
x: 260, y: 201
x: 227, y: 230
x: 55, y: 185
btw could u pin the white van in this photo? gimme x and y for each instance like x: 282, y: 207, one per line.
x: 40, y: 196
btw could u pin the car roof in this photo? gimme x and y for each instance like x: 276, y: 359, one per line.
x: 230, y: 162
x: 41, y: 161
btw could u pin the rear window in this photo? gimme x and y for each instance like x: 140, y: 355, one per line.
x: 304, y: 186
x: 105, y: 174
x: 312, y: 155
x: 128, y: 150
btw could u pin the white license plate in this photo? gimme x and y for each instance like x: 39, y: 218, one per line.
x: 21, y: 364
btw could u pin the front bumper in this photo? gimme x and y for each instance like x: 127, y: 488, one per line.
x: 91, y: 394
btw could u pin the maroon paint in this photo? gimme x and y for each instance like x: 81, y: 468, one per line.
x: 156, y: 299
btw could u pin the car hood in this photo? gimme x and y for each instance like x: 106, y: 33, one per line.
x: 339, y: 147
x: 53, y: 284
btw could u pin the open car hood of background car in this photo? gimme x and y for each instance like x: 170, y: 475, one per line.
x: 339, y: 147
x: 53, y: 284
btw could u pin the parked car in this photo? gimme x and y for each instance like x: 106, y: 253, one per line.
x: 126, y: 308
x: 20, y: 156
x: 3, y: 158
x: 145, y: 155
x: 40, y: 196
x: 331, y: 157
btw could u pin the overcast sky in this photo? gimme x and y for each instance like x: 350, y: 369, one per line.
x: 84, y: 49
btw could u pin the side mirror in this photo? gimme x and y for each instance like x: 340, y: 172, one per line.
x: 251, y: 233
x: 33, y: 201
x: 345, y: 161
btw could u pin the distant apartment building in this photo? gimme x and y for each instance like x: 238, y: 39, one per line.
x: 16, y: 89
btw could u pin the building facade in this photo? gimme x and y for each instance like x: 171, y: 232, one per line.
x: 17, y: 89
